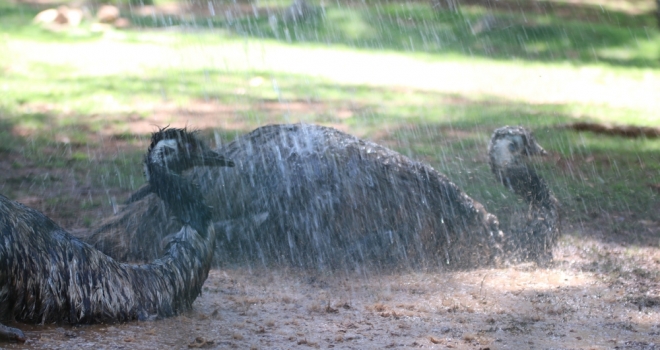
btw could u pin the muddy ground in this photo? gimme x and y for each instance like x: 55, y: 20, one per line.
x: 595, y: 296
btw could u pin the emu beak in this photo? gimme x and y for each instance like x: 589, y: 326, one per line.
x: 536, y: 150
x: 212, y: 158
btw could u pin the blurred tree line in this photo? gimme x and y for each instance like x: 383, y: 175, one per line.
x: 451, y: 5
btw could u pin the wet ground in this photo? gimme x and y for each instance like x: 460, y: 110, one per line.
x: 595, y: 296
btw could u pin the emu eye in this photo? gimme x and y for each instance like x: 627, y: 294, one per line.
x: 167, y: 152
x: 513, y: 147
x: 190, y: 147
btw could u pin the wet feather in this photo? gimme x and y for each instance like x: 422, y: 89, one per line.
x: 47, y: 275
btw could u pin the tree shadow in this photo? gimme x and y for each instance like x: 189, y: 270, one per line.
x: 542, y: 32
x: 504, y: 30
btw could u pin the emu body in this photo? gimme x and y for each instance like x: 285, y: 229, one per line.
x: 309, y: 195
x: 508, y: 149
x: 47, y: 275
x: 334, y: 200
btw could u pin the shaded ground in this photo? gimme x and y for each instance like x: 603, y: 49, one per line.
x: 579, y: 303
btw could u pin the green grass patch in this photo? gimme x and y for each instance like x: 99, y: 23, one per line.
x: 592, y: 175
x: 546, y: 32
x: 591, y: 34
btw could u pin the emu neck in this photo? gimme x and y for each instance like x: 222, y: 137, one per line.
x: 182, y: 197
x: 525, y: 182
x: 535, y: 240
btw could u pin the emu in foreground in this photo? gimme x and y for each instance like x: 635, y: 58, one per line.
x: 309, y: 195
x: 46, y: 275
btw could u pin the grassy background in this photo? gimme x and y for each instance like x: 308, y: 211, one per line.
x: 77, y: 104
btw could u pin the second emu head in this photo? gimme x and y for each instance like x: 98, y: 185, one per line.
x: 175, y: 150
x: 171, y: 152
x: 510, y: 145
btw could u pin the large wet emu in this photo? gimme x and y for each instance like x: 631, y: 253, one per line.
x: 309, y: 195
x: 46, y: 275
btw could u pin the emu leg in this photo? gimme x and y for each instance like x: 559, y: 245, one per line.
x: 9, y: 333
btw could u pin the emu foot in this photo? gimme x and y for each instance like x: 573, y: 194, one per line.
x: 9, y: 333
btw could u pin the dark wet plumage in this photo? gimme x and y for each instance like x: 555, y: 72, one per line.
x: 313, y: 196
x: 47, y: 275
x: 535, y: 239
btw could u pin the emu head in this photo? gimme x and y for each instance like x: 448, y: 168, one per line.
x: 510, y: 145
x: 175, y: 150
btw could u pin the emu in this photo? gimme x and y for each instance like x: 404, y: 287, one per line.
x: 309, y: 195
x: 47, y: 275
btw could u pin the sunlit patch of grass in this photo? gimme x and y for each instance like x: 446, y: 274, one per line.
x: 632, y: 7
x: 129, y: 72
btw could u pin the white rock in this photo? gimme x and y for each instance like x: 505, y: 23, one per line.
x: 107, y: 14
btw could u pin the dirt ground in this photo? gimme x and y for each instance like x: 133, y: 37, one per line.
x: 595, y: 296
x: 600, y: 293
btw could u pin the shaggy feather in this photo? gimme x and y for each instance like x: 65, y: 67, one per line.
x: 535, y: 240
x: 47, y: 275
x: 332, y: 199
